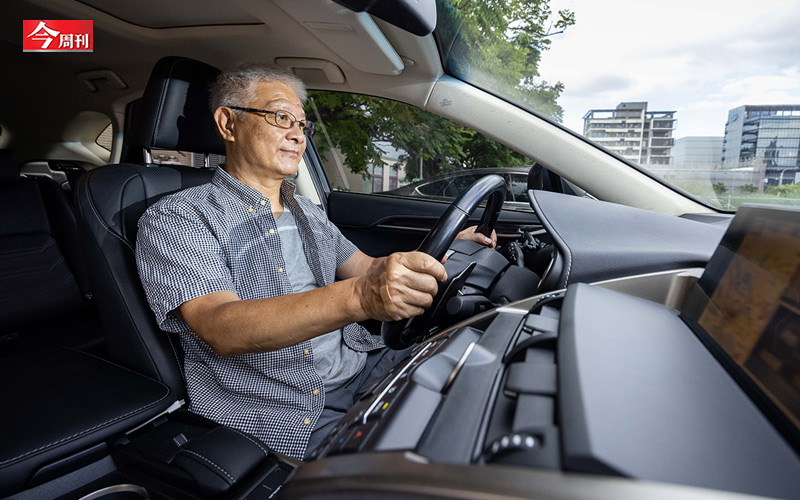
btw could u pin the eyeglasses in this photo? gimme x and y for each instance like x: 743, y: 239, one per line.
x: 281, y: 119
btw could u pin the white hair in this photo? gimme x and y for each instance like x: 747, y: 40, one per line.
x: 236, y: 86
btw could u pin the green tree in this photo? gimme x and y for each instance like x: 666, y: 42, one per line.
x: 748, y: 189
x: 504, y: 39
x: 719, y: 187
x: 498, y: 44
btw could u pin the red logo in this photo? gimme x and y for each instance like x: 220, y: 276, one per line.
x: 57, y: 36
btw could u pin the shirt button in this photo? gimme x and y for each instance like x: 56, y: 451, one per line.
x: 306, y: 421
x: 305, y: 351
x: 263, y: 202
x: 271, y: 231
x: 280, y: 269
x: 315, y: 392
x: 249, y: 209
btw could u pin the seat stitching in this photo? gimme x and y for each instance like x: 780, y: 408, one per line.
x: 120, y: 367
x: 106, y: 226
x: 237, y: 431
x: 233, y: 481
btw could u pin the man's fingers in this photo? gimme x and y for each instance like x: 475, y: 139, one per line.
x: 421, y: 263
x: 471, y: 234
x: 493, y: 239
x: 403, y: 286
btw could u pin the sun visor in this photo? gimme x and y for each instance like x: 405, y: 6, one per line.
x: 352, y: 35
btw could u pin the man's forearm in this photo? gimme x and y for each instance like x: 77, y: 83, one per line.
x: 232, y: 326
x: 387, y: 289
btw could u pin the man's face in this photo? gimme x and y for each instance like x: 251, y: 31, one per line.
x: 266, y: 145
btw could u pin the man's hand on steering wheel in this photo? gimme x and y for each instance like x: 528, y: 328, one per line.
x: 471, y: 234
x: 404, y: 284
x: 400, y: 286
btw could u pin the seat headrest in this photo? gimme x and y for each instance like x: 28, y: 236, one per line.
x: 174, y: 112
x: 9, y: 169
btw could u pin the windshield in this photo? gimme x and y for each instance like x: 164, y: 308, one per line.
x: 703, y: 95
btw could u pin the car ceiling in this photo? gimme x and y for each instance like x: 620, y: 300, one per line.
x: 328, y: 46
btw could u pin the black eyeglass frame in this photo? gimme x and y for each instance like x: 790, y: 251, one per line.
x: 308, y: 128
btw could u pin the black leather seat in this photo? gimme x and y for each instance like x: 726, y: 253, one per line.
x: 174, y: 114
x: 62, y: 406
x: 44, y: 288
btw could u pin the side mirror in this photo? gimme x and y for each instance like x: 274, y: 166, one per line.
x: 544, y: 180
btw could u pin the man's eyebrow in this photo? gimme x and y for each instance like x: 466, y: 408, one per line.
x: 301, y: 116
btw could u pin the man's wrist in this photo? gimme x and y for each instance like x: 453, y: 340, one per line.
x: 358, y: 307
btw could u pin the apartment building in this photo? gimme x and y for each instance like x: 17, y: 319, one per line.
x: 633, y: 132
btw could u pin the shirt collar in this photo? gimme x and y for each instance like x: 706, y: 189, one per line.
x: 246, y: 194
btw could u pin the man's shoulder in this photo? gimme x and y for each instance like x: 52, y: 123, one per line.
x: 190, y: 201
x: 205, y: 202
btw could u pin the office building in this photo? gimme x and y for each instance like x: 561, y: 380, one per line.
x: 633, y: 132
x: 765, y: 138
x: 697, y: 151
x: 699, y: 159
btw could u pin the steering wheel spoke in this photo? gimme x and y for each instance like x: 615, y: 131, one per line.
x: 402, y: 334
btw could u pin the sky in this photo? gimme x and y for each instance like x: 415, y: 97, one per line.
x: 700, y: 58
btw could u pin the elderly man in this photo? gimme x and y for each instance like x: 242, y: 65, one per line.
x: 262, y: 289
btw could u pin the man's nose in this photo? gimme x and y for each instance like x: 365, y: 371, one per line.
x: 296, y: 133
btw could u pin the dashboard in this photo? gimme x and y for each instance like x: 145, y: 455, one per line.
x: 591, y: 382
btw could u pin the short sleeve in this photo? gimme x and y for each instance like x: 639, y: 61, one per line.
x: 179, y: 258
x: 344, y: 247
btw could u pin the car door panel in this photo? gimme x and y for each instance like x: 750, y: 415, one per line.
x: 380, y: 224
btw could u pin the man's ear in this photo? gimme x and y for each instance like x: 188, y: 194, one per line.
x: 225, y: 120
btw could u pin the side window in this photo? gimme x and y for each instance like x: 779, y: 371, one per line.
x: 106, y: 138
x: 518, y: 188
x: 375, y: 145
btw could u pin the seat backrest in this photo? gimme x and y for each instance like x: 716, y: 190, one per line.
x: 42, y: 279
x: 174, y: 114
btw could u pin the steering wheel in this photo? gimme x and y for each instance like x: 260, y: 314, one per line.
x: 405, y: 333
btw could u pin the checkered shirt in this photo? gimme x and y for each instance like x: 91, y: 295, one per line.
x: 222, y: 236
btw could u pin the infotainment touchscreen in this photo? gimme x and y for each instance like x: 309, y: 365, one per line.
x: 747, y: 306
